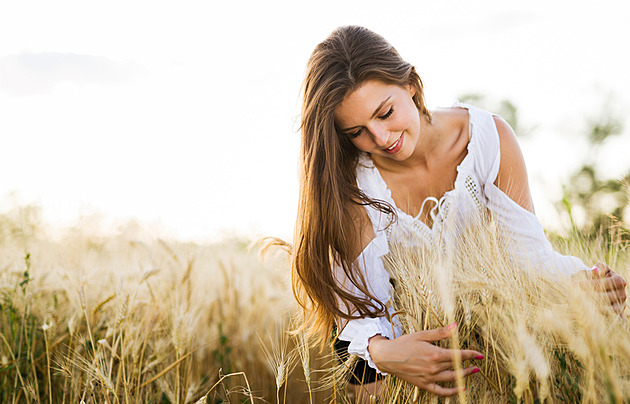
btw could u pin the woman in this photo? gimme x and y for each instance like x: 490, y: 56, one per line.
x: 372, y: 157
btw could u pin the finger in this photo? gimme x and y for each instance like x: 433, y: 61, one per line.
x: 439, y: 367
x: 451, y: 375
x: 614, y: 296
x: 449, y: 356
x: 612, y: 283
x: 601, y: 269
x: 603, y: 284
x: 469, y: 355
x: 437, y: 334
x: 609, y: 298
x: 441, y: 391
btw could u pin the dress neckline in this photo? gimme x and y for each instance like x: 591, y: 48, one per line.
x: 437, y: 211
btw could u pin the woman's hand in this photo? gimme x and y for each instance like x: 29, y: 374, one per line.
x: 416, y: 360
x: 609, y: 285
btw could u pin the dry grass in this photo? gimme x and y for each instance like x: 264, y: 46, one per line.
x: 130, y: 319
x: 544, y: 339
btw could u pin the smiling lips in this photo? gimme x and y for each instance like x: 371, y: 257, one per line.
x: 393, y: 149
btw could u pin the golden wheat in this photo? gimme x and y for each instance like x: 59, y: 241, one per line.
x: 128, y: 318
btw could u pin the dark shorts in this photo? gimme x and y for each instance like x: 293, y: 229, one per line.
x: 362, y: 372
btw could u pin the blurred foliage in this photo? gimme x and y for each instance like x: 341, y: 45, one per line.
x: 504, y: 108
x: 23, y: 222
x: 593, y: 203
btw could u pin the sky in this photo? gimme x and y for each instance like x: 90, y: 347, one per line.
x: 184, y: 115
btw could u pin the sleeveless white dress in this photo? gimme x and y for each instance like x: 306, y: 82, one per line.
x: 474, y: 191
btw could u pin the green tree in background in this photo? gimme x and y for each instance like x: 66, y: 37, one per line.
x: 504, y: 108
x: 602, y: 201
x: 592, y: 202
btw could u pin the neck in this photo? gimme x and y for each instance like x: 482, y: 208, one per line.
x: 428, y: 141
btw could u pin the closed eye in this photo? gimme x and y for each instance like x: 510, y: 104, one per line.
x: 354, y: 134
x: 388, y: 114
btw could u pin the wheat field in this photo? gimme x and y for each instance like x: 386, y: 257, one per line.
x: 127, y: 318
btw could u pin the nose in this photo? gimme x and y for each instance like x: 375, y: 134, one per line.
x: 380, y: 134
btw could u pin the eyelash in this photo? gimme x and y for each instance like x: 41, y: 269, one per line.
x: 354, y: 134
x: 382, y: 117
x: 388, y: 114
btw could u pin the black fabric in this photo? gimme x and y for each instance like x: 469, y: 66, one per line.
x: 362, y: 372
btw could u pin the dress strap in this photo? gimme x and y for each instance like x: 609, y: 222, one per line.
x: 484, y: 143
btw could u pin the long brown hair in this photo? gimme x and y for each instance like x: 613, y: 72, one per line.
x: 326, y: 231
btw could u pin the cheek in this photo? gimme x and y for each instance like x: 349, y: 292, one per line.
x: 410, y: 120
x: 360, y: 143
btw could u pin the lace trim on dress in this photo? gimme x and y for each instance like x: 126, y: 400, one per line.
x: 438, y: 212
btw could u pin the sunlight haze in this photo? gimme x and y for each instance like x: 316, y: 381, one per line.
x: 184, y: 115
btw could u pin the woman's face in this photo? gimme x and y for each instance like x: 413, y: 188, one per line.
x: 380, y: 119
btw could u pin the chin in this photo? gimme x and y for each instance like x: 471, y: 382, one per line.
x: 400, y: 156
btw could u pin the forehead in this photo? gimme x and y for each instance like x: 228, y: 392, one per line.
x: 361, y: 103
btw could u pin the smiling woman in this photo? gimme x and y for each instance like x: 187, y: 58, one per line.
x: 381, y: 130
x: 372, y: 158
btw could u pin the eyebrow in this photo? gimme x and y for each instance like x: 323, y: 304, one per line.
x: 373, y: 115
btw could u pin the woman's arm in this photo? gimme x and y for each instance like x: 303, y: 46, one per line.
x: 367, y: 250
x: 512, y: 177
x: 416, y: 360
x: 411, y: 357
x: 512, y: 180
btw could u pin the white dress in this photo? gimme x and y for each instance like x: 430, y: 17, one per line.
x: 474, y: 191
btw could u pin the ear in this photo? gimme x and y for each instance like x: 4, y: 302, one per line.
x: 412, y: 89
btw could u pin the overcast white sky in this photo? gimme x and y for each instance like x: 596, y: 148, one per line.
x: 184, y: 114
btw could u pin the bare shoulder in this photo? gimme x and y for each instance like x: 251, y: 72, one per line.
x: 363, y: 229
x: 453, y: 124
x: 511, y: 155
x: 506, y: 133
x: 453, y: 117
x: 512, y: 177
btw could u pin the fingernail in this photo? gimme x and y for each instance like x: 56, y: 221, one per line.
x: 479, y: 357
x: 595, y: 269
x: 450, y: 327
x: 475, y: 370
